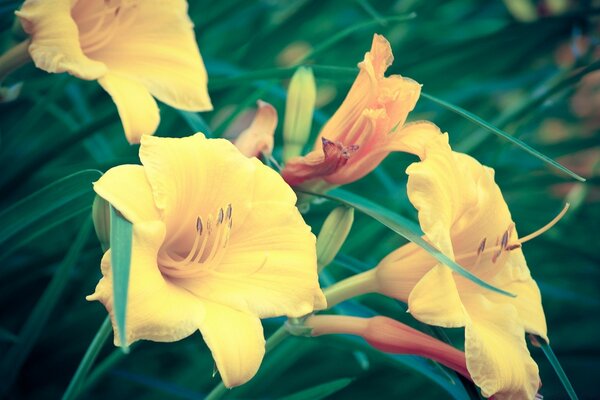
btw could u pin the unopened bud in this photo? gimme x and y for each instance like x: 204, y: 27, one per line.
x: 333, y: 234
x: 299, y: 110
x: 101, y: 218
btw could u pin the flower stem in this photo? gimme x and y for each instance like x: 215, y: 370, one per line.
x: 277, y: 337
x: 363, y: 283
x: 14, y: 58
x: 87, y: 360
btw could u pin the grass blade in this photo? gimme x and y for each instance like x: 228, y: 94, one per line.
x: 40, y: 315
x: 121, y: 232
x: 405, y: 228
x: 45, y: 209
x: 320, y: 391
x: 524, y: 146
x: 560, y: 372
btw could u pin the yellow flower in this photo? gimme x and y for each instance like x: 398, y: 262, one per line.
x: 217, y: 244
x: 258, y: 138
x: 365, y: 129
x: 135, y: 49
x: 463, y: 214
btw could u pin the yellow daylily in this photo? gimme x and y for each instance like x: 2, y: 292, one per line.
x: 258, y: 138
x: 365, y: 129
x: 463, y: 213
x: 217, y: 244
x: 135, y: 49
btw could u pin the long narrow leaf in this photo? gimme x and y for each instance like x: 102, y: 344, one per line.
x: 475, y: 119
x: 560, y: 372
x: 320, y: 391
x: 121, y: 232
x: 406, y: 228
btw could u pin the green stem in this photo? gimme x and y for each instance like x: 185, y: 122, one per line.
x: 274, y: 340
x: 356, y: 285
x: 88, y: 359
x: 14, y: 58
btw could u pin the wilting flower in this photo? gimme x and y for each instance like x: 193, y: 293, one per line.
x: 365, y: 129
x: 135, y: 49
x: 258, y: 137
x: 390, y: 336
x: 463, y: 214
x: 217, y: 244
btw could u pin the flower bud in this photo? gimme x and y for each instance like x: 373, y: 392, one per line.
x: 299, y: 109
x: 333, y: 234
x: 101, y: 218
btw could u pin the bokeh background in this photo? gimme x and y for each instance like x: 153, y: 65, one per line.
x: 528, y: 67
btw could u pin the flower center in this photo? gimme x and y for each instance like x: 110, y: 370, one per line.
x: 504, y: 244
x: 99, y: 22
x: 210, y: 238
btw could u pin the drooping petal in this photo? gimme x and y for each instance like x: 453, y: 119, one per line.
x: 435, y: 299
x: 55, y: 43
x: 154, y: 45
x: 137, y: 109
x: 236, y: 342
x: 128, y: 190
x: 497, y: 355
x: 258, y: 137
x: 269, y: 267
x: 157, y: 309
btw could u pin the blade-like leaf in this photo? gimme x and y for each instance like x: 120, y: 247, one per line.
x: 560, y: 372
x: 406, y: 228
x: 45, y: 209
x: 320, y: 391
x: 121, y: 232
x: 195, y: 122
x: 475, y: 119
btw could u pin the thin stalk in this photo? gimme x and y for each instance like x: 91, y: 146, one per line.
x: 14, y: 58
x: 88, y: 359
x: 356, y: 285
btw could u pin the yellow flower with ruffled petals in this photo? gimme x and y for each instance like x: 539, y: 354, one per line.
x: 217, y: 244
x: 135, y: 49
x: 463, y: 213
x: 365, y: 129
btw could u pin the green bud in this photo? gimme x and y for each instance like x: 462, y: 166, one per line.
x: 299, y: 109
x: 333, y: 234
x: 101, y: 217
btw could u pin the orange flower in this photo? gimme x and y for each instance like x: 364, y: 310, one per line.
x: 365, y: 129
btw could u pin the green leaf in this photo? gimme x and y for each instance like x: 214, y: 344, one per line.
x: 524, y: 146
x: 45, y: 209
x: 195, y: 122
x: 320, y: 391
x: 40, y: 314
x: 121, y: 236
x: 406, y: 228
x: 560, y: 372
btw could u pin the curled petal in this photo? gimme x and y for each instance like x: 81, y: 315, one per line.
x: 258, y: 137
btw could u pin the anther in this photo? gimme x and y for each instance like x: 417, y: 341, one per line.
x: 481, y: 247
x: 511, y: 247
x: 229, y: 211
x: 220, y: 216
x: 199, y: 225
x: 504, y: 240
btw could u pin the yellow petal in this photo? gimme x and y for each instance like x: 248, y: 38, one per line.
x: 157, y: 309
x: 128, y: 190
x: 399, y: 271
x: 137, y: 109
x: 236, y: 341
x: 154, y: 45
x: 270, y: 265
x: 258, y: 137
x: 515, y: 278
x: 435, y: 300
x: 497, y: 355
x: 55, y: 39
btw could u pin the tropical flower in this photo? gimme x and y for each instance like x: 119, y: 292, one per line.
x: 217, y: 244
x: 390, y: 336
x: 365, y: 129
x: 258, y: 139
x: 463, y: 214
x: 135, y: 49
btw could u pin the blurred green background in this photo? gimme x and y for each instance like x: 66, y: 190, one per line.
x: 528, y: 67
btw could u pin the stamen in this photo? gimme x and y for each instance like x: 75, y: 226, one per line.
x: 229, y: 211
x: 545, y: 227
x: 481, y: 247
x: 199, y: 225
x: 220, y: 216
